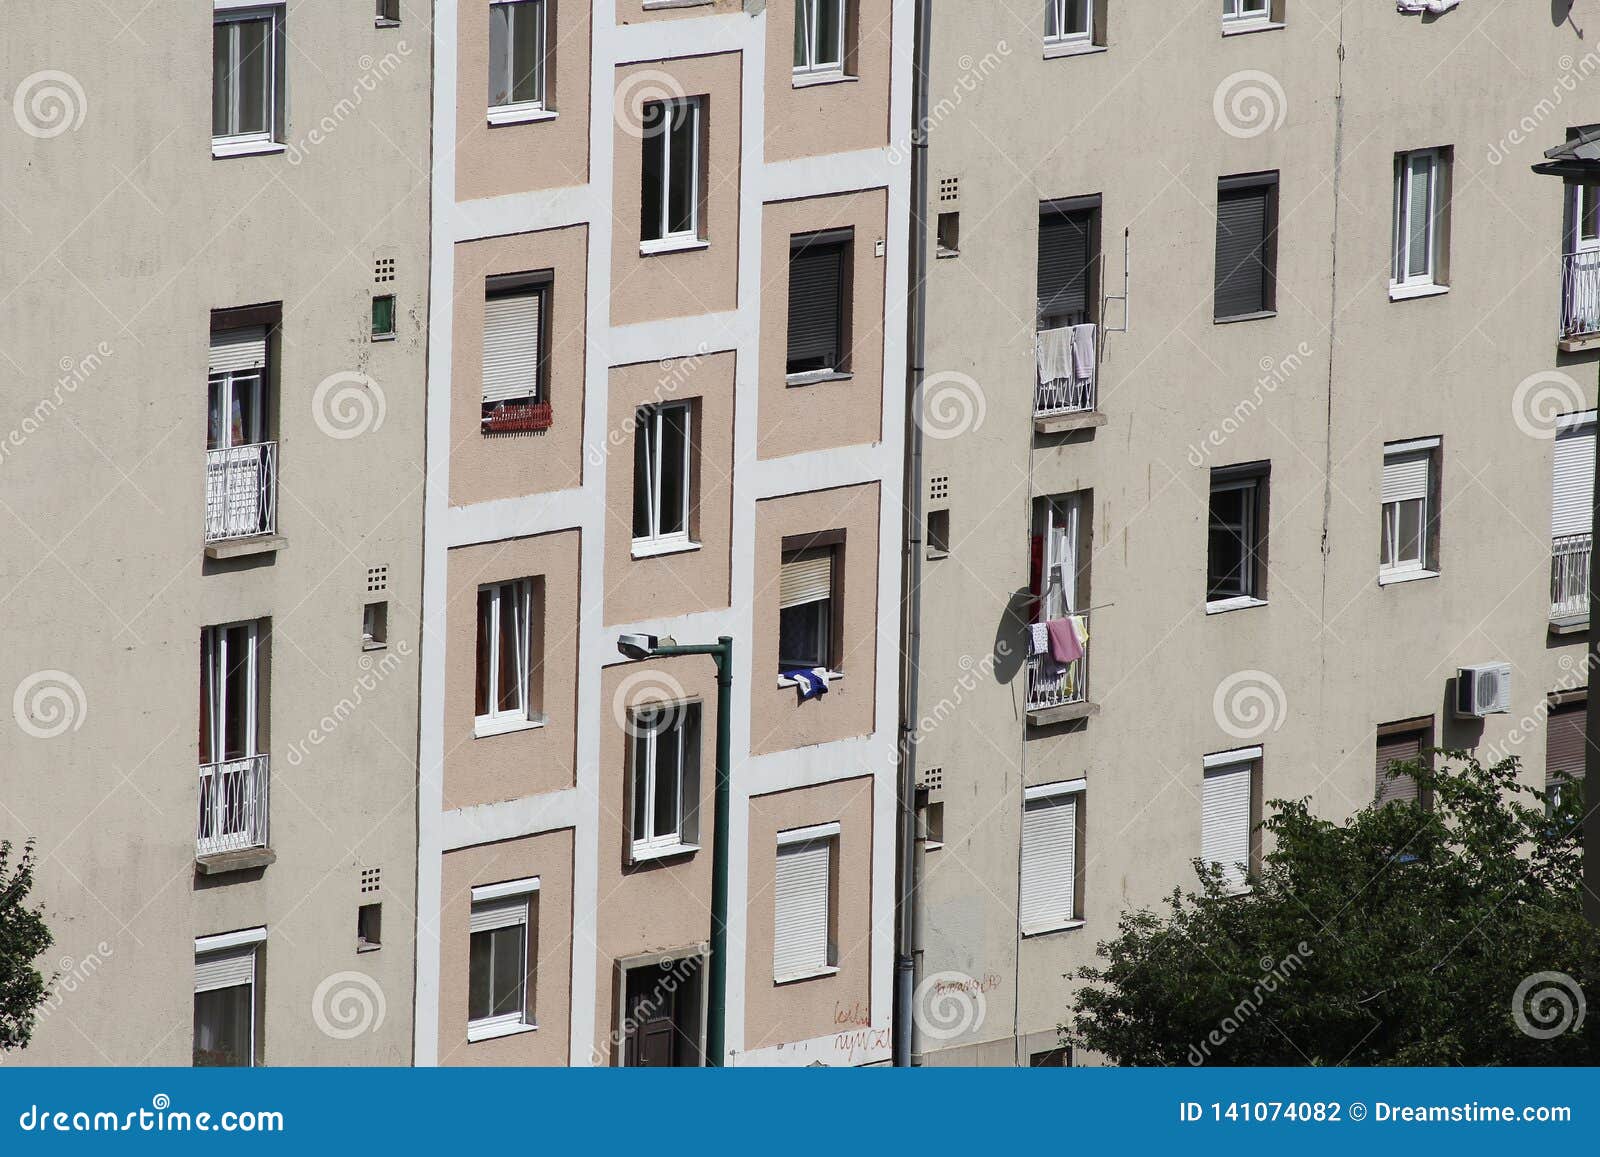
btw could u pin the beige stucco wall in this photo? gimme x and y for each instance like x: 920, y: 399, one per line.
x: 634, y: 11
x: 675, y: 584
x: 521, y: 763
x: 658, y: 905
x: 777, y: 720
x: 492, y: 160
x: 800, y: 1010
x: 706, y: 280
x: 811, y: 120
x: 502, y: 466
x: 549, y: 857
x: 789, y: 415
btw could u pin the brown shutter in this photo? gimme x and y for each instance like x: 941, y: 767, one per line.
x: 1564, y: 733
x: 1403, y: 747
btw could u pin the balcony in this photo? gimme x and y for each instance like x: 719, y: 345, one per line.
x: 1569, y: 582
x: 1580, y: 300
x: 1065, y: 397
x: 1058, y: 692
x: 241, y: 492
x: 232, y: 832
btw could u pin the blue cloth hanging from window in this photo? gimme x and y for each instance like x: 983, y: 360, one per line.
x: 812, y: 681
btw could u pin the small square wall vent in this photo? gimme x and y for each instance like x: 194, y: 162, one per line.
x: 939, y: 488
x: 377, y: 579
x: 371, y: 879
x: 933, y: 778
x: 383, y: 270
x: 949, y: 189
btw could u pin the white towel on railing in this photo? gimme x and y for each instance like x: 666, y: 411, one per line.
x: 1054, y: 350
x: 1083, y: 352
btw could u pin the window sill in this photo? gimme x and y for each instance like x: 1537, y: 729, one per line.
x: 655, y: 548
x: 1244, y: 27
x: 814, y: 79
x: 1257, y: 316
x: 833, y: 677
x: 1394, y: 577
x: 478, y: 1032
x: 520, y: 114
x: 1055, y: 51
x: 671, y: 245
x: 1570, y: 625
x: 373, y: 645
x: 1047, y: 929
x: 815, y: 974
x: 816, y: 378
x: 1242, y: 602
x: 243, y: 860
x: 943, y: 254
x: 663, y: 852
x: 1407, y: 292
x: 380, y: 22
x: 227, y: 548
x: 482, y: 728
x: 360, y: 948
x: 225, y: 147
x: 659, y: 5
x: 377, y: 337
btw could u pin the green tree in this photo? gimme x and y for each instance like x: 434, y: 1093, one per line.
x: 23, y: 937
x: 1446, y: 935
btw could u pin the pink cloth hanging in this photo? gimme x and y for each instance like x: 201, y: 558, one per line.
x: 1065, y: 646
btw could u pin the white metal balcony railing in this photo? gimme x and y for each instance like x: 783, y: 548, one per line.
x: 241, y: 491
x: 1052, y: 684
x: 1580, y: 293
x: 233, y: 806
x: 1569, y: 576
x: 1062, y: 393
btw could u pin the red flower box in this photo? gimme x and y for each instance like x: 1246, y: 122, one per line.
x: 518, y: 418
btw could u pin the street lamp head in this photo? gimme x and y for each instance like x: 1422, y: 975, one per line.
x: 637, y: 646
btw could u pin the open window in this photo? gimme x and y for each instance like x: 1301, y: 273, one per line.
x: 510, y: 636
x: 500, y: 964
x: 810, y: 603
x: 670, y: 208
x: 665, y: 780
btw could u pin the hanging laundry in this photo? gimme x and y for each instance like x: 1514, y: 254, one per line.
x: 1065, y: 646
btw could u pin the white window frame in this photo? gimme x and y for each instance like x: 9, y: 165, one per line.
x: 1055, y: 792
x: 1250, y: 759
x: 805, y: 16
x: 1405, y: 176
x: 216, y: 660
x: 496, y: 721
x: 237, y: 12
x: 495, y: 906
x: 1240, y: 14
x: 1055, y: 19
x: 827, y: 612
x: 1577, y: 240
x: 650, y: 427
x: 676, y: 723
x: 522, y: 110
x: 1250, y: 596
x: 244, y: 943
x: 826, y: 835
x: 665, y: 241
x: 1400, y: 569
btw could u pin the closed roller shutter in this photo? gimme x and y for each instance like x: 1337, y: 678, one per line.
x: 1572, y: 485
x: 1405, y: 476
x: 1064, y: 254
x: 1241, y: 273
x: 1406, y: 747
x: 238, y: 351
x: 807, y: 578
x: 816, y: 306
x: 1565, y: 730
x: 1225, y: 820
x: 800, y: 913
x: 1049, y: 861
x: 511, y: 347
x: 213, y: 970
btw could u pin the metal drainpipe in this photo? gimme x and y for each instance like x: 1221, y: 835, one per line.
x: 907, y: 948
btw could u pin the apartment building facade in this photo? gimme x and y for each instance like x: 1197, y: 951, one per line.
x: 663, y: 400
x: 1265, y: 446
x: 212, y: 341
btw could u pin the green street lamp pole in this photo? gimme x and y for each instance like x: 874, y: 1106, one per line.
x: 717, y: 983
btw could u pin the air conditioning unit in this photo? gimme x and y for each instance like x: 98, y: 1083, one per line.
x: 1483, y: 689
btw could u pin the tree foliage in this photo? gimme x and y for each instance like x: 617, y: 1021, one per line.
x: 1447, y: 935
x: 23, y: 937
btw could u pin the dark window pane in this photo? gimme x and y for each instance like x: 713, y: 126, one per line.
x: 827, y: 40
x: 485, y: 605
x: 255, y: 60
x: 803, y: 635
x: 499, y: 55
x: 674, y: 437
x: 668, y: 769
x: 222, y: 1026
x: 654, y: 174
x: 510, y: 968
x: 480, y: 978
x: 683, y: 187
x: 221, y: 38
x: 643, y: 473
x: 641, y: 776
x: 509, y: 675
x: 237, y: 741
x: 527, y: 66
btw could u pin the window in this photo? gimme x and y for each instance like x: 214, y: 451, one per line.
x: 1058, y: 1058
x: 1571, y: 518
x: 1051, y: 856
x: 1405, y: 742
x: 1067, y: 20
x: 383, y: 317
x: 1247, y: 249
x: 1228, y: 814
x: 233, y: 770
x: 1421, y: 205
x: 515, y: 340
x: 246, y: 84
x: 500, y: 973
x: 1060, y: 556
x: 670, y: 199
x: 369, y: 927
x: 1236, y: 558
x: 949, y: 235
x: 225, y: 998
x: 1566, y: 732
x: 374, y: 626
x: 507, y: 697
x: 819, y: 27
x: 388, y: 12
x: 516, y: 59
x: 1410, y: 510
x: 665, y: 783
x: 819, y: 293
x: 1236, y: 12
x: 662, y: 464
x: 938, y: 533
x: 241, y: 457
x: 804, y: 931
x: 809, y: 602
x: 661, y: 1011
x: 1069, y: 249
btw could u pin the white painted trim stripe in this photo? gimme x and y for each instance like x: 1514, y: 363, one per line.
x: 1052, y: 790
x: 227, y: 940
